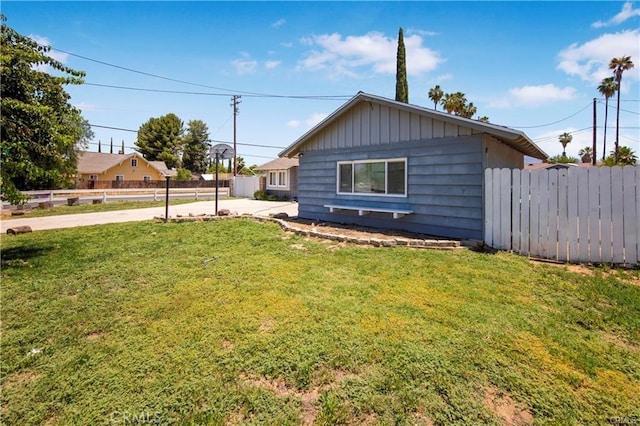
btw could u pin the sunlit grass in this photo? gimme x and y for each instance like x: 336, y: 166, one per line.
x: 235, y: 321
x: 95, y: 208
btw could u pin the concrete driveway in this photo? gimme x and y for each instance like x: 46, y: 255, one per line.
x: 241, y: 206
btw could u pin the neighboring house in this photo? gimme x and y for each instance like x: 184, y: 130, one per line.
x: 557, y: 166
x: 97, y: 166
x: 386, y: 164
x: 281, y: 177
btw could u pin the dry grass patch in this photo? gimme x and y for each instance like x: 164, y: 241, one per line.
x: 503, y: 406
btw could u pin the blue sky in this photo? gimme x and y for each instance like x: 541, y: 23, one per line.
x: 525, y: 65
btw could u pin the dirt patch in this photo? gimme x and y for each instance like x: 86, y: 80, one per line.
x: 620, y: 342
x: 502, y: 405
x: 227, y: 345
x: 19, y: 379
x: 298, y: 247
x: 309, y: 398
x: 267, y: 326
x: 353, y: 230
x: 94, y: 336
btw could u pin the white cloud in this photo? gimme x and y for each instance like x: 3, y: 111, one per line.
x: 287, y: 45
x: 293, y: 123
x: 538, y: 95
x: 422, y: 32
x: 590, y: 61
x: 278, y: 23
x: 246, y: 65
x: 534, y: 96
x: 272, y: 64
x: 315, y: 118
x: 375, y: 51
x: 83, y: 106
x: 627, y: 12
x: 58, y: 56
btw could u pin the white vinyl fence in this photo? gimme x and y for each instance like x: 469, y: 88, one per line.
x: 574, y: 215
x: 245, y: 186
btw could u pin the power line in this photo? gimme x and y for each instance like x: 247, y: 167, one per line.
x: 555, y: 122
x: 159, y: 134
x: 175, y: 80
x: 621, y: 109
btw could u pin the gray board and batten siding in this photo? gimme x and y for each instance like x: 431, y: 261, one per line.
x: 445, y: 162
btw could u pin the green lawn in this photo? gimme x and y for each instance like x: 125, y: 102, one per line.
x: 103, y: 207
x: 237, y: 322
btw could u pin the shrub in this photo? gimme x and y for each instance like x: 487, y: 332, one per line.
x: 260, y: 195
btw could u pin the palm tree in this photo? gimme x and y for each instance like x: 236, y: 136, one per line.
x: 565, y: 139
x: 585, y: 154
x: 448, y: 102
x: 469, y: 110
x: 484, y: 119
x: 626, y: 156
x: 607, y: 88
x: 619, y: 65
x: 435, y: 94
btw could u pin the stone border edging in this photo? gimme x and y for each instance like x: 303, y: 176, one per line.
x: 376, y: 242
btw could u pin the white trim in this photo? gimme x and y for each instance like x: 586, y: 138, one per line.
x: 386, y: 162
x: 119, y: 176
x: 277, y: 186
x: 397, y: 213
x: 134, y: 162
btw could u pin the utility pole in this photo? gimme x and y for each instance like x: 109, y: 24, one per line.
x: 235, y: 100
x: 593, y: 148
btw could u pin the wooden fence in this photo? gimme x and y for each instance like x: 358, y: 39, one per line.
x: 570, y: 215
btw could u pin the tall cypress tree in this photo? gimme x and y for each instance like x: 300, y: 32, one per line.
x: 402, y: 87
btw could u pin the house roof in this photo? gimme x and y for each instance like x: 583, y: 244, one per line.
x: 514, y: 138
x: 100, y: 162
x: 282, y: 163
x: 540, y: 166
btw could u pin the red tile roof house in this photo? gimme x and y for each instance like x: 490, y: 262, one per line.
x: 386, y: 164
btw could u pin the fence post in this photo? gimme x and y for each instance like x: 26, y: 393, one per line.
x: 155, y: 195
x: 196, y: 192
x: 104, y: 196
x: 51, y: 196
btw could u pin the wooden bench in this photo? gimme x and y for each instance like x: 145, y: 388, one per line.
x: 362, y: 210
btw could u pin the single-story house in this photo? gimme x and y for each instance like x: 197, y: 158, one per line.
x: 386, y: 164
x: 99, y: 166
x: 281, y: 177
x: 557, y: 166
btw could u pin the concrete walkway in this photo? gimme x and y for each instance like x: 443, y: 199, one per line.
x: 241, y: 206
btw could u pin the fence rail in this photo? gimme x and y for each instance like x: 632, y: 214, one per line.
x: 156, y: 194
x: 573, y: 215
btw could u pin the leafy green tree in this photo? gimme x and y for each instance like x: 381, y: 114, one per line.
x: 565, y: 139
x: 86, y: 136
x: 435, y: 94
x: 240, y: 165
x: 561, y: 159
x: 196, y: 147
x: 39, y: 127
x: 607, y: 88
x: 183, y: 174
x: 402, y: 86
x: 454, y: 102
x: 619, y: 65
x: 160, y: 139
x: 585, y: 154
x: 626, y: 157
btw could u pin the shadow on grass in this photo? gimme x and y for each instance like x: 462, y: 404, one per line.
x: 18, y: 256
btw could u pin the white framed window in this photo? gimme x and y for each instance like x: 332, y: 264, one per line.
x: 146, y: 178
x: 93, y: 177
x: 385, y: 177
x: 119, y: 178
x: 278, y: 180
x: 134, y: 162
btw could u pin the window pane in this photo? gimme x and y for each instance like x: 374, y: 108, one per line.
x: 272, y: 178
x: 345, y: 178
x: 396, y: 183
x: 369, y: 177
x: 282, y: 179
